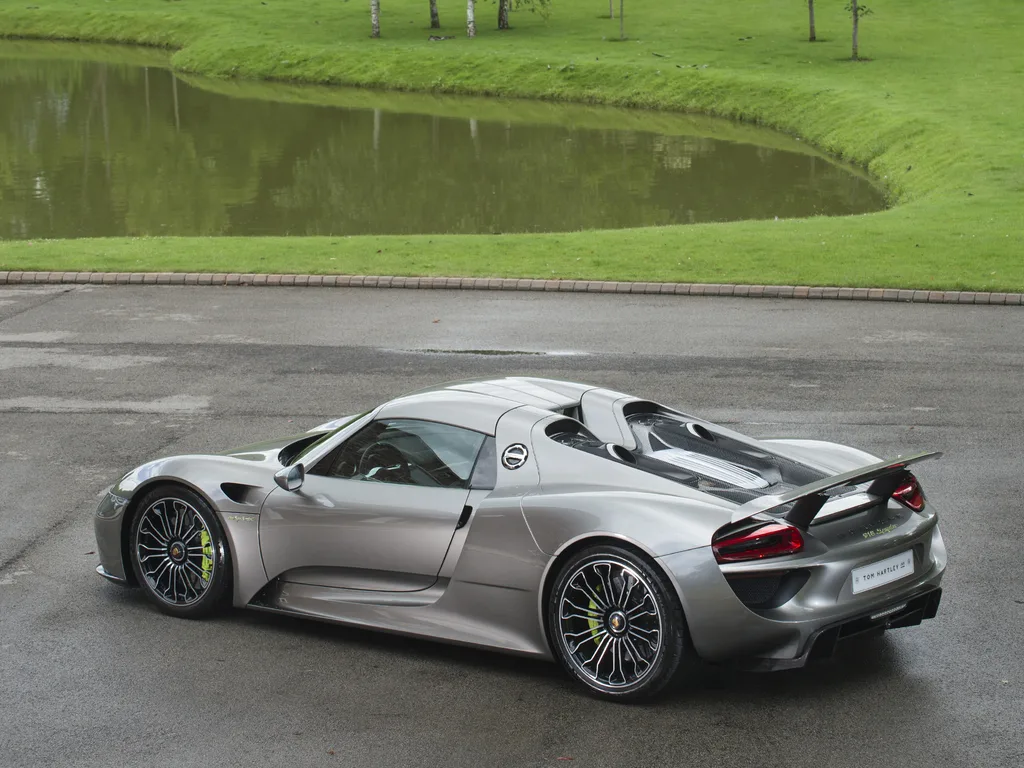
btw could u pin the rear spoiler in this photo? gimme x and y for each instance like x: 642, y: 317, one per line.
x: 807, y: 500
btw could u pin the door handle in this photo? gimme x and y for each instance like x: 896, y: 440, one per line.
x: 464, y: 517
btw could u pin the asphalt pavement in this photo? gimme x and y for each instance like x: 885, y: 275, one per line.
x: 94, y: 380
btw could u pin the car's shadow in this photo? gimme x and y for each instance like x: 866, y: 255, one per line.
x: 856, y: 662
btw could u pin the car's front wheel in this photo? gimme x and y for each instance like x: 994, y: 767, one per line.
x: 179, y: 553
x: 616, y: 624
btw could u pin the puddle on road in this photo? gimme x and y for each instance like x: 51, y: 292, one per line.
x: 176, y: 404
x: 29, y: 357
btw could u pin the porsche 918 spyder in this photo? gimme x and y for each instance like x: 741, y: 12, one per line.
x: 611, y: 533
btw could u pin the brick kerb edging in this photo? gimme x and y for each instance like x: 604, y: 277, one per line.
x: 511, y: 284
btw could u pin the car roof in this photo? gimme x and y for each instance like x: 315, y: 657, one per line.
x: 479, y: 403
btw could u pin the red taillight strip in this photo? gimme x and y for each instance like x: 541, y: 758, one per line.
x: 910, y: 494
x: 769, y: 540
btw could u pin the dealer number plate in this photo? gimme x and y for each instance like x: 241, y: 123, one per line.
x: 883, y: 572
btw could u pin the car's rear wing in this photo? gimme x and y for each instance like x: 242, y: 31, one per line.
x: 807, y: 500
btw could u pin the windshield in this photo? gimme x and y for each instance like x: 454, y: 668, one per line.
x: 327, y: 436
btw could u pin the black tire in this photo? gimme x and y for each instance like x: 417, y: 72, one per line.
x: 191, y: 577
x: 580, y: 628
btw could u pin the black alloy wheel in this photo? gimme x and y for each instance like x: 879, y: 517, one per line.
x: 616, y: 623
x: 179, y: 553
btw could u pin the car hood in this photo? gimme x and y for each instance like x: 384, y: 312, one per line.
x: 278, y: 452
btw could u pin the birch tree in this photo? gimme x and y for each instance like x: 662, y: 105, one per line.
x: 856, y: 11
x: 470, y: 18
x: 435, y: 21
x: 503, y: 13
x: 374, y: 18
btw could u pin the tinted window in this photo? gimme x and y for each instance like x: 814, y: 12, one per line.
x: 485, y: 473
x: 406, y: 452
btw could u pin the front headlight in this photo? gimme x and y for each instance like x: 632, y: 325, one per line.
x: 111, y: 504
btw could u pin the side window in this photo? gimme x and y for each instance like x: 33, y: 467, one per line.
x: 406, y: 452
x: 485, y: 473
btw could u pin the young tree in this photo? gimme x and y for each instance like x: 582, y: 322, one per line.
x: 611, y: 9
x: 435, y: 21
x: 470, y: 18
x: 622, y: 19
x: 856, y: 11
x: 503, y: 13
x: 374, y: 18
x: 810, y: 13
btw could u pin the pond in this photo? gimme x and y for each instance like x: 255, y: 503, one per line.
x: 97, y: 141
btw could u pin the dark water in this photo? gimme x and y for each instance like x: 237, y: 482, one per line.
x: 93, y: 149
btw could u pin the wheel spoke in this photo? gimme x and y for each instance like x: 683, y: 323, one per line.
x: 627, y: 588
x: 188, y: 584
x: 635, y: 655
x: 161, y: 515
x: 606, y: 584
x: 589, y: 592
x: 576, y: 608
x: 196, y: 570
x: 161, y: 569
x: 159, y: 537
x: 179, y: 516
x: 596, y: 658
x: 636, y: 609
x: 590, y: 633
x: 652, y: 642
x: 598, y: 635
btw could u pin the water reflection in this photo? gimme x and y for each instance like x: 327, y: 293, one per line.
x: 93, y: 149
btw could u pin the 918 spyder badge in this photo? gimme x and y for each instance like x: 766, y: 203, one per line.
x: 514, y: 456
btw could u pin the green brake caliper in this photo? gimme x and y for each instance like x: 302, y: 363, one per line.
x: 207, y: 564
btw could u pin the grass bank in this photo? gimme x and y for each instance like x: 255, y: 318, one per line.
x: 935, y: 116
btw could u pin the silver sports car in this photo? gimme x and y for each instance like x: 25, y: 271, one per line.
x: 546, y: 518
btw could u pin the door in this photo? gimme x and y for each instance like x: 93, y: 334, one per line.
x: 378, y: 512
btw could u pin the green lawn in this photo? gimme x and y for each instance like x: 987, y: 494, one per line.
x: 936, y: 116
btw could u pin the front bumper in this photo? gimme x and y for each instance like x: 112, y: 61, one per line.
x: 109, y: 576
x: 107, y: 523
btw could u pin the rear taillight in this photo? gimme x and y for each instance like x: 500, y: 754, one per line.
x: 771, y: 540
x: 909, y: 494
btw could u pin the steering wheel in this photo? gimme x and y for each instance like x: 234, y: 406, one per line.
x: 384, y: 463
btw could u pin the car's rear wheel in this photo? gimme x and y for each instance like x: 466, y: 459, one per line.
x: 179, y: 553
x: 616, y: 624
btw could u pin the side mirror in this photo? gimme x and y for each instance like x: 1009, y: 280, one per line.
x: 290, y: 478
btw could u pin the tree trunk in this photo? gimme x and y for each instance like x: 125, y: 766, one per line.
x: 856, y: 19
x: 503, y: 14
x: 622, y: 19
x: 374, y: 18
x: 611, y: 9
x: 435, y: 21
x: 810, y: 13
x: 470, y: 18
